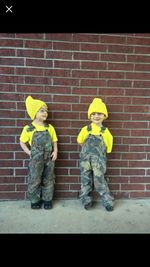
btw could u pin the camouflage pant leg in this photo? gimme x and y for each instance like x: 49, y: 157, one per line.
x: 107, y: 199
x: 36, y: 166
x: 48, y: 179
x: 86, y: 180
x: 101, y: 186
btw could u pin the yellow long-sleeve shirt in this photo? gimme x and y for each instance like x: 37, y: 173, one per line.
x: 96, y: 130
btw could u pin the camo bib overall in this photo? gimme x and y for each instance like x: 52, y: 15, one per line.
x: 93, y: 168
x: 41, y: 168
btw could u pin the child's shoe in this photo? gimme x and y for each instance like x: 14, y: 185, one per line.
x: 36, y: 205
x: 88, y: 206
x: 47, y: 205
x: 109, y: 208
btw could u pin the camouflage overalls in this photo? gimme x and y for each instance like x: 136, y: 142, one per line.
x: 93, y: 168
x: 41, y: 167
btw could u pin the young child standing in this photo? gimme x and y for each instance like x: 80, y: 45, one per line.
x: 39, y: 141
x: 96, y: 141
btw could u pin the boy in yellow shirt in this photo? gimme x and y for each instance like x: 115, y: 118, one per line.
x: 96, y: 141
x: 39, y: 141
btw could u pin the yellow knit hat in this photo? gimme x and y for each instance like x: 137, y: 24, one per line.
x: 97, y: 105
x: 33, y: 106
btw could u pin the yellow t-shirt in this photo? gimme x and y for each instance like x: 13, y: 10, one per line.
x: 26, y: 137
x: 96, y: 130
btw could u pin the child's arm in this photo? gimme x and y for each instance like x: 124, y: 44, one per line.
x: 55, y: 151
x: 25, y: 148
x: 83, y: 134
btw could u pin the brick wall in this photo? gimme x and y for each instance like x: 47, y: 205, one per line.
x: 67, y: 71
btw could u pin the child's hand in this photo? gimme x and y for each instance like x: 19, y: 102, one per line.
x: 54, y: 156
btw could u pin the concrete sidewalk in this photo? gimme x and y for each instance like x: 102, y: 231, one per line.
x: 68, y: 216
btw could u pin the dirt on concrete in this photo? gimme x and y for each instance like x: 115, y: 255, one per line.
x: 68, y: 216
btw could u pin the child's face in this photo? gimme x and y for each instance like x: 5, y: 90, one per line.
x: 42, y: 114
x: 97, y: 117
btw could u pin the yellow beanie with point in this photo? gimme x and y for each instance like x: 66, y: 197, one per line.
x: 98, y: 106
x: 33, y: 106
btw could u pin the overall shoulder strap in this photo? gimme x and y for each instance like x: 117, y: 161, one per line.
x: 89, y: 128
x: 30, y: 128
x: 46, y: 125
x: 103, y: 129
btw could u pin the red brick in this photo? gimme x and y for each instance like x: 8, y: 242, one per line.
x: 66, y: 64
x: 57, y: 90
x: 133, y: 187
x: 30, y: 35
x: 120, y: 48
x: 113, y: 39
x: 138, y: 41
x: 7, y: 70
x: 28, y: 71
x: 7, y: 52
x: 67, y: 179
x: 140, y: 179
x: 57, y: 73
x: 6, y: 155
x: 133, y: 125
x: 85, y: 74
x: 133, y: 171
x: 131, y: 140
x: 143, y: 67
x: 38, y: 80
x: 12, y: 195
x: 63, y: 55
x: 12, y: 61
x: 141, y: 84
x: 111, y: 75
x: 30, y: 53
x: 113, y: 57
x: 88, y: 82
x: 38, y: 44
x: 61, y: 171
x: 79, y: 37
x: 39, y: 62
x: 7, y: 87
x: 86, y: 56
x: 21, y: 187
x: 66, y: 81
x: 93, y: 47
x: 11, y: 43
x: 139, y: 100
x: 65, y: 163
x: 93, y: 65
x: 119, y: 83
x: 11, y: 163
x: 65, y: 46
x: 7, y: 187
x: 134, y: 156
x: 137, y: 58
x: 59, y: 36
x: 120, y: 66
x: 61, y: 187
x: 141, y: 164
